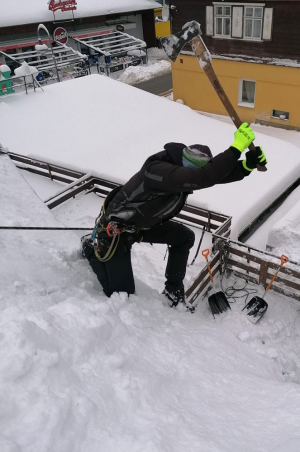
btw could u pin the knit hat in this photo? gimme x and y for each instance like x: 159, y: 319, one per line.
x: 196, y: 156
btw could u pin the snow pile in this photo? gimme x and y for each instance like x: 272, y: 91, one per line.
x: 4, y: 68
x: 158, y: 54
x: 26, y: 71
x: 81, y: 372
x: 137, y: 53
x: 41, y: 47
x: 284, y: 236
x: 136, y: 74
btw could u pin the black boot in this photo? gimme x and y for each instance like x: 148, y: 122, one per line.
x: 174, y: 295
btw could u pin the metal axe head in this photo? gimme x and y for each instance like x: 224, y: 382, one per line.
x: 173, y: 44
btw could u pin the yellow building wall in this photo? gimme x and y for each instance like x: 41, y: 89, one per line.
x: 277, y: 88
x: 162, y: 29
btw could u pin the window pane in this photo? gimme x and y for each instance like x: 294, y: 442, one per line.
x: 227, y: 11
x: 219, y: 11
x: 248, y: 28
x: 248, y: 92
x: 258, y: 12
x: 256, y: 28
x: 249, y: 12
x: 219, y: 26
x: 226, y: 26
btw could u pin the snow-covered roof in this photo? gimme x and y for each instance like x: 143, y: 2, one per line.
x: 112, y: 42
x: 288, y: 62
x: 19, y: 12
x: 101, y: 125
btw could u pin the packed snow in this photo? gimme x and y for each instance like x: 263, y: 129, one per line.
x: 33, y: 11
x: 80, y: 372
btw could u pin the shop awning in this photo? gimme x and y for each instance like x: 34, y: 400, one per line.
x: 64, y: 56
x: 110, y: 42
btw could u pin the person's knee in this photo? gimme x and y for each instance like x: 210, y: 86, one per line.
x: 191, y: 238
x: 188, y: 237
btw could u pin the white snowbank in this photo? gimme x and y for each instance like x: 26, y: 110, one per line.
x: 136, y: 74
x: 284, y: 236
x: 107, y: 127
x: 79, y: 372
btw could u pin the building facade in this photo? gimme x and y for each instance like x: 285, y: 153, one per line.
x: 255, y: 54
x: 18, y: 24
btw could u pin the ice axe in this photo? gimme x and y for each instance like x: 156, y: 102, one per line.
x: 191, y: 32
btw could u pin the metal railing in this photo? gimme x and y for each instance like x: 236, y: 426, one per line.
x: 18, y: 84
x: 259, y: 267
x: 244, y: 261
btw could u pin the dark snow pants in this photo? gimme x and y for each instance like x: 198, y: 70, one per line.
x: 116, y: 275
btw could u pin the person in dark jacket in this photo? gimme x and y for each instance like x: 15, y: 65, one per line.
x: 143, y: 208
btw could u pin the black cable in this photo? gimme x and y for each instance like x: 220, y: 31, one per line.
x: 199, y: 245
x: 232, y: 290
x: 44, y: 228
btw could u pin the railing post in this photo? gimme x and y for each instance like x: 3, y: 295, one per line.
x: 49, y: 169
x: 263, y: 272
x: 208, y: 222
x: 25, y: 84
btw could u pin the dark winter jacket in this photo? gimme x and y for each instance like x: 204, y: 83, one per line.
x: 160, y: 189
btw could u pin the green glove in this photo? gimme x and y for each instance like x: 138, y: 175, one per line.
x: 243, y: 137
x: 254, y: 158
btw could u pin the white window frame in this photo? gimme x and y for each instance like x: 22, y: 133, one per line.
x: 240, y: 96
x: 245, y: 5
x: 223, y: 16
x: 284, y: 113
x: 252, y: 38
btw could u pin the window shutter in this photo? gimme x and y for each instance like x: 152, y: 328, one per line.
x: 209, y: 20
x: 237, y: 21
x: 268, y: 22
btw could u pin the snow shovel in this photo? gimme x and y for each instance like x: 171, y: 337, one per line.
x: 256, y: 308
x: 218, y: 302
x: 191, y: 32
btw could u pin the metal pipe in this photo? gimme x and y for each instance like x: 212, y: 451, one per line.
x: 42, y: 26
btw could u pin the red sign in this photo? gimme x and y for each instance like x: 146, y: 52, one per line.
x: 64, y: 5
x: 60, y: 35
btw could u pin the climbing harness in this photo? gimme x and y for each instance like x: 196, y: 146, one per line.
x: 105, y: 249
x: 105, y: 238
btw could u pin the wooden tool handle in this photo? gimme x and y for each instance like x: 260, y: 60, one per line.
x: 204, y: 60
x: 283, y: 260
x: 205, y: 254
